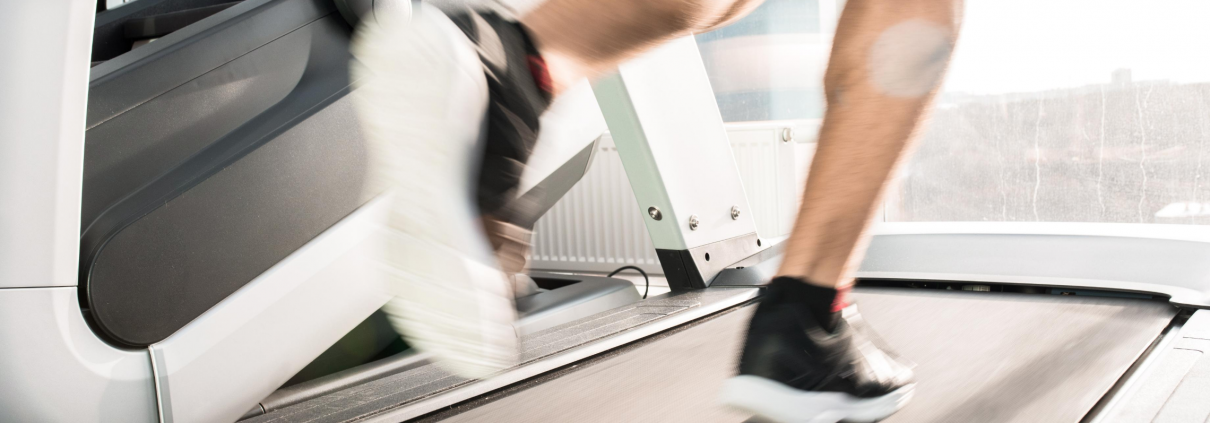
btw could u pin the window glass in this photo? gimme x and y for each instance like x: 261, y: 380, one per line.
x: 1080, y: 110
x: 768, y: 65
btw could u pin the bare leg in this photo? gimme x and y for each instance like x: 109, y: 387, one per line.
x: 887, y: 62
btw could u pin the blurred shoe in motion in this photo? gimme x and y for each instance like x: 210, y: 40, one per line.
x: 449, y: 123
x: 512, y: 244
x: 519, y: 91
x: 804, y: 362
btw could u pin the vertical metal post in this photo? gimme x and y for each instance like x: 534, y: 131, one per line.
x: 46, y: 47
x: 664, y: 120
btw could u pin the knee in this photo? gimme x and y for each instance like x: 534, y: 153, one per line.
x: 677, y: 16
x: 727, y: 12
x: 674, y: 16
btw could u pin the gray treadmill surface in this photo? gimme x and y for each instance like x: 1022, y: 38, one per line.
x: 985, y: 357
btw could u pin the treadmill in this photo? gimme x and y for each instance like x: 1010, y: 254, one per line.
x: 224, y: 248
x: 225, y: 240
x: 1047, y: 333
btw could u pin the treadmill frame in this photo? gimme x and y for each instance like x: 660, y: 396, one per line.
x: 241, y: 348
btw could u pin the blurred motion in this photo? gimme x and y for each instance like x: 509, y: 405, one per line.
x: 450, y: 298
x: 273, y: 211
x: 449, y: 295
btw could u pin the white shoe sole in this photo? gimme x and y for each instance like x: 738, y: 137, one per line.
x: 422, y: 98
x: 780, y: 403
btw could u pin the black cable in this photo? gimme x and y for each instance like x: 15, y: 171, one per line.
x: 646, y: 280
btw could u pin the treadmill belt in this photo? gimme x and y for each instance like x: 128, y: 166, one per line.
x: 981, y: 357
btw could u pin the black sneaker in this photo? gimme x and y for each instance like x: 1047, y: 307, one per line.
x: 803, y: 362
x: 519, y: 91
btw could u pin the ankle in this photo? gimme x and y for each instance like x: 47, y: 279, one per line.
x: 562, y: 71
x: 536, y: 61
x: 822, y: 303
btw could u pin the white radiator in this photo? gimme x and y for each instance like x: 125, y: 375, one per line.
x: 598, y: 226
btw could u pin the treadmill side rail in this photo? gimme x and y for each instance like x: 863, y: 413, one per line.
x: 244, y: 348
x: 43, y: 89
x: 54, y: 369
x: 1168, y: 260
x: 1170, y: 385
x: 589, y: 296
x: 52, y: 366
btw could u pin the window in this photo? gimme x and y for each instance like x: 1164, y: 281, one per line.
x: 1072, y: 111
x: 769, y: 65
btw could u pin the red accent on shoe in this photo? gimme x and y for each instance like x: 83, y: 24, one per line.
x: 842, y: 299
x: 537, y: 67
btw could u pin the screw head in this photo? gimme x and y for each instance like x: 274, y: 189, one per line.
x: 693, y: 222
x: 734, y: 212
x: 655, y: 213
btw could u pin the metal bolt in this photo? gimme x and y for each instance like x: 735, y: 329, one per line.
x: 655, y: 213
x: 787, y: 134
x: 693, y: 222
x: 734, y: 212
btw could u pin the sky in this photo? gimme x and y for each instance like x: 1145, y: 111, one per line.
x: 1031, y: 45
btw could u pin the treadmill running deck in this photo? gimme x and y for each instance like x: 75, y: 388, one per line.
x: 985, y: 357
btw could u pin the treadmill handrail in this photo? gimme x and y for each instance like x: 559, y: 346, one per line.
x: 199, y: 48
